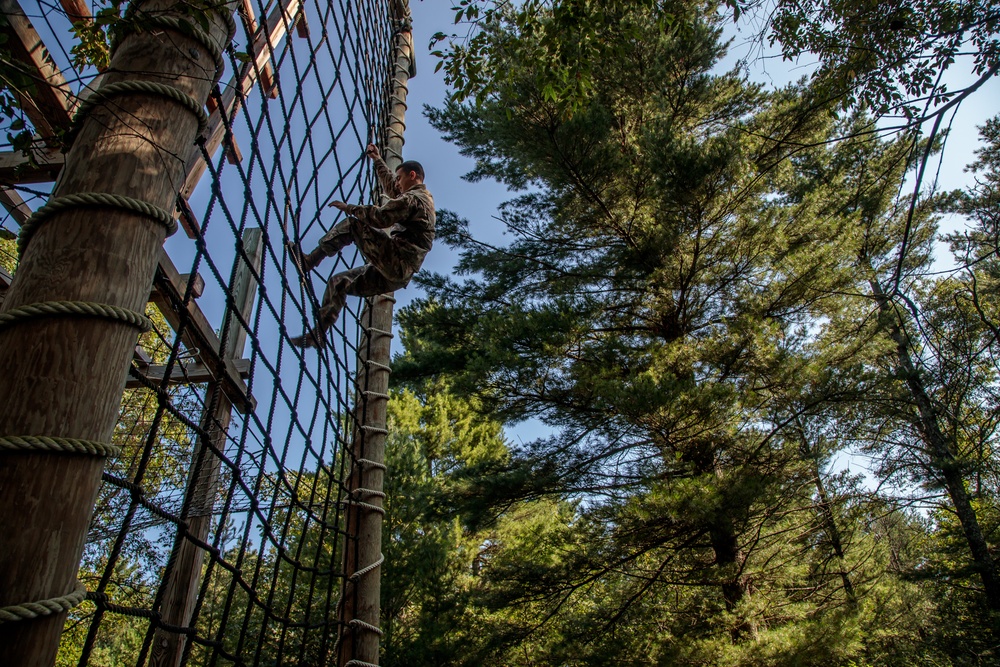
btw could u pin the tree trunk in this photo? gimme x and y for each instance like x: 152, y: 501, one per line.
x: 729, y: 558
x: 827, y: 520
x: 941, y: 459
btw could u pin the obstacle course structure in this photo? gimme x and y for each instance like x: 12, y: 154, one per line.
x: 178, y: 484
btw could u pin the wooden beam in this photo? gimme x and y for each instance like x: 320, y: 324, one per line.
x: 273, y: 31
x: 43, y: 166
x: 140, y: 358
x: 196, y: 373
x: 187, y: 218
x: 197, y: 333
x: 11, y: 200
x: 78, y: 11
x: 302, y: 26
x: 267, y: 82
x: 233, y: 153
x: 48, y: 105
x: 197, y: 287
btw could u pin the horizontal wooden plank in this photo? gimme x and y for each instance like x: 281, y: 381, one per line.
x: 43, y: 166
x: 189, y: 373
x: 11, y: 200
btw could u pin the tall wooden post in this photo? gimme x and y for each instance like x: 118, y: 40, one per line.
x: 360, y: 608
x: 62, y: 373
x: 183, y: 578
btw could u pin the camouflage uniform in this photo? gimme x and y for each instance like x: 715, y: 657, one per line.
x: 393, y: 238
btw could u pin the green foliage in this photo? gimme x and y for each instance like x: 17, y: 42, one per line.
x: 885, y: 57
x: 880, y: 57
x: 435, y: 438
x: 702, y: 298
x: 567, y: 39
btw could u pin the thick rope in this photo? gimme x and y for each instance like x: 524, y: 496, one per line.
x: 358, y: 623
x: 373, y: 464
x: 75, y: 309
x: 375, y: 429
x: 30, y: 610
x: 360, y: 663
x: 365, y: 570
x: 54, y: 445
x: 110, y: 91
x: 380, y: 332
x: 367, y: 506
x: 93, y: 200
x: 377, y: 366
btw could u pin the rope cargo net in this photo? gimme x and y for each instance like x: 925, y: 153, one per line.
x: 224, y: 490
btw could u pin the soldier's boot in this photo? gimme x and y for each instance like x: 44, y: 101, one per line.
x: 315, y: 337
x: 306, y: 262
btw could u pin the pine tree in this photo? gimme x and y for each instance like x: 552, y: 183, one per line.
x: 653, y: 306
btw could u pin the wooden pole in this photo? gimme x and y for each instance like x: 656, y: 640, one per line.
x: 360, y: 604
x: 183, y: 579
x: 62, y: 376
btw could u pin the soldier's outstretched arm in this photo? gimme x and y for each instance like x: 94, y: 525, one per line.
x: 386, y: 178
x: 394, y: 211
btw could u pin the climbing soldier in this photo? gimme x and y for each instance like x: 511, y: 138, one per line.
x: 393, y: 239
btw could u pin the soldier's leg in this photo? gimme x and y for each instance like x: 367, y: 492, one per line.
x: 372, y: 283
x: 338, y: 238
x: 334, y: 298
x: 335, y: 240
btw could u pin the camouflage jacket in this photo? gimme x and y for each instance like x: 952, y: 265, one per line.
x: 408, y: 217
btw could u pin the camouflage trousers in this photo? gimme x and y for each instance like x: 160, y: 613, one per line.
x: 389, y: 265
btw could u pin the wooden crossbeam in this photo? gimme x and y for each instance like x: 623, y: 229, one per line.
x: 48, y: 105
x: 140, y: 357
x: 196, y: 373
x: 11, y: 200
x: 43, y: 166
x: 198, y: 335
x: 197, y: 286
x: 77, y: 10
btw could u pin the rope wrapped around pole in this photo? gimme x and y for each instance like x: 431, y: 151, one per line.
x: 359, y: 642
